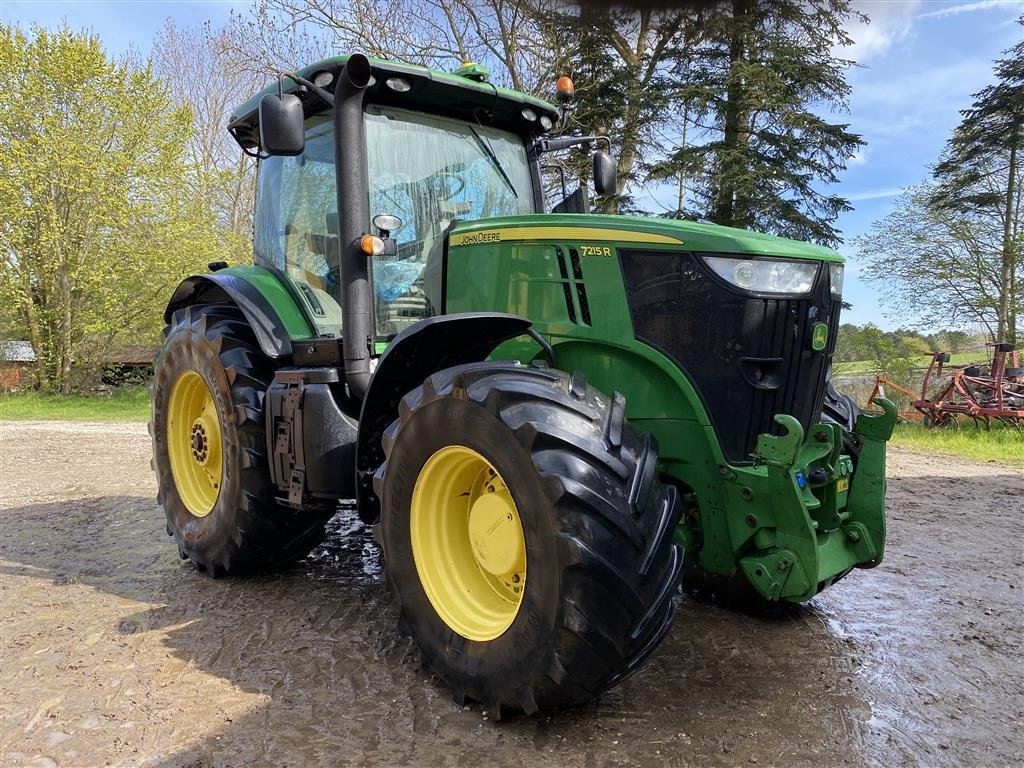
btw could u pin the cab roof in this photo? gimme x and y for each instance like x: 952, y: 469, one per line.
x: 466, y: 93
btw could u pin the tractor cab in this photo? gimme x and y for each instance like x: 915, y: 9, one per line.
x: 437, y: 149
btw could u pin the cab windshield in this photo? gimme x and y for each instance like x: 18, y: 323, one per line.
x: 429, y: 171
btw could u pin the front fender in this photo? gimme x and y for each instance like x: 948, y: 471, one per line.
x: 270, y: 310
x: 417, y: 352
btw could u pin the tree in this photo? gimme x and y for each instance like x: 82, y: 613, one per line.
x: 500, y: 34
x: 96, y: 225
x: 621, y: 60
x: 200, y: 71
x: 753, y: 91
x: 948, y: 254
x: 979, y: 178
x: 938, y: 267
x: 750, y: 164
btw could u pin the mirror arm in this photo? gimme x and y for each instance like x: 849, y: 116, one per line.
x: 553, y: 145
x: 325, y: 96
x: 257, y: 154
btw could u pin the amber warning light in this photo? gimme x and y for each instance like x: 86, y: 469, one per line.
x: 565, y: 91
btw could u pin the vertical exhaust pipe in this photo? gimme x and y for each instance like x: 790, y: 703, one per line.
x: 353, y: 219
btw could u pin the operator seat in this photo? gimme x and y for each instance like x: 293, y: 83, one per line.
x: 432, y: 253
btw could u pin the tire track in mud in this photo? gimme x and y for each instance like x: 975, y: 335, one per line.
x: 113, y: 651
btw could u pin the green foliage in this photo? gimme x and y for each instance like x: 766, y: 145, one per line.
x: 722, y: 100
x: 97, y: 222
x: 753, y: 86
x: 198, y: 70
x: 948, y: 253
x: 122, y: 404
x: 979, y: 179
x: 888, y: 354
x: 620, y: 60
x: 861, y: 342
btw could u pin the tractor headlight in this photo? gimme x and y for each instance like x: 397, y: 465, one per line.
x: 835, y: 274
x: 765, y: 275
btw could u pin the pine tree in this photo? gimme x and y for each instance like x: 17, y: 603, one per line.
x: 979, y: 178
x: 620, y: 59
x: 755, y: 90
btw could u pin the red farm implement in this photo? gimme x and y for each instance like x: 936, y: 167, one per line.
x: 982, y: 391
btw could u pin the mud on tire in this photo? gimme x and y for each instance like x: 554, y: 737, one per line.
x: 598, y: 524
x: 247, y: 530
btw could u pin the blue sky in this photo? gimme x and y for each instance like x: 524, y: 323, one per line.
x: 920, y: 62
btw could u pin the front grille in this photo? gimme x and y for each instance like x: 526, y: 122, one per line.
x: 749, y: 357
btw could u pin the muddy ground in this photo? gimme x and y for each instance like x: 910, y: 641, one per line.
x: 113, y: 652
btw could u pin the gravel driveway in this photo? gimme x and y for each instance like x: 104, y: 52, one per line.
x: 113, y: 652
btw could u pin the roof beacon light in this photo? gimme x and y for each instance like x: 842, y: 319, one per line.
x: 565, y: 91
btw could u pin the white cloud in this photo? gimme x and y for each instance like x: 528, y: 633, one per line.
x: 874, y: 194
x: 888, y: 23
x: 956, y: 10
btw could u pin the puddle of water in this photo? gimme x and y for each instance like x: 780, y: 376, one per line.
x: 348, y: 552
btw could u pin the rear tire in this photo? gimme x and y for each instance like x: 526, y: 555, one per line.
x: 601, y: 569
x: 244, y: 529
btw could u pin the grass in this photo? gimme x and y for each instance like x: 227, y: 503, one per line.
x: 858, y: 367
x: 1001, y: 444
x: 122, y: 404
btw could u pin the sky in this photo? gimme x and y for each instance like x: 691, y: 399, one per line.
x: 919, y: 62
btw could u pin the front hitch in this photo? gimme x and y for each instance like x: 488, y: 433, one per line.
x: 827, y: 520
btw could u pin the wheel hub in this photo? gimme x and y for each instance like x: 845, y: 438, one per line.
x: 199, y: 442
x: 468, y: 543
x: 194, y: 443
x: 496, y: 534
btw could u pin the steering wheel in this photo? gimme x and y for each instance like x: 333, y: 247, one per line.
x: 443, y: 186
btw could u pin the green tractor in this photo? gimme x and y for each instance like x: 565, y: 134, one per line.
x: 551, y: 419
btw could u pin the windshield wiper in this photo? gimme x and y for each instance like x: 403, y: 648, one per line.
x: 489, y: 154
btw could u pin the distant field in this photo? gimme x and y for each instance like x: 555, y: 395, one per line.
x: 999, y: 444
x: 922, y: 361
x: 123, y: 404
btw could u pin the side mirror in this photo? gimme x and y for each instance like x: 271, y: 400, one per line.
x: 281, y: 124
x: 604, y: 174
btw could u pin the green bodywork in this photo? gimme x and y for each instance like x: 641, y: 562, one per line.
x: 766, y: 519
x: 788, y: 538
x: 281, y: 296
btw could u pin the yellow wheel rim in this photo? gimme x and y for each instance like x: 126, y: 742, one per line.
x: 468, y: 543
x: 194, y: 443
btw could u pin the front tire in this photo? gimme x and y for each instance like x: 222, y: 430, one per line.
x: 210, y: 448
x: 579, y: 573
